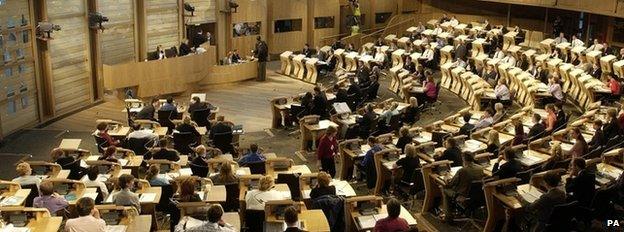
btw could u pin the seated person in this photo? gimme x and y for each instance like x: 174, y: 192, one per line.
x: 508, y: 169
x: 404, y: 139
x: 291, y: 218
x: 519, y: 135
x: 551, y: 121
x: 225, y: 176
x: 459, y: 185
x: 409, y: 163
x: 102, y: 132
x: 221, y: 134
x: 169, y: 106
x: 197, y: 104
x: 486, y: 120
x: 554, y: 88
x: 580, y: 147
x: 368, y: 163
x: 67, y: 161
x: 162, y: 152
x: 538, y: 127
x: 388, y: 113
x: 323, y: 188
x: 502, y: 92
x: 366, y: 122
x: 256, y: 198
x: 306, y: 51
x: 49, y: 199
x: 125, y: 197
x: 431, y: 90
x: 614, y: 85
x: 109, y: 155
x: 138, y: 133
x: 467, y: 128
x: 215, y: 222
x: 452, y: 152
x: 612, y: 128
x: 500, y: 112
x: 254, y: 156
x: 426, y: 59
x: 393, y: 222
x: 580, y: 185
x: 235, y: 57
x: 341, y: 94
x: 152, y: 176
x: 599, y: 138
x: 200, y: 162
x: 493, y: 142
x: 148, y: 111
x: 89, y: 218
x: 187, y: 126
x: 24, y: 175
x: 538, y: 212
x: 93, y: 182
x: 411, y: 113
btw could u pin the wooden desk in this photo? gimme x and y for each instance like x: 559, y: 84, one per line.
x: 16, y: 198
x: 434, y: 182
x: 350, y: 151
x: 70, y: 144
x: 46, y: 224
x: 232, y: 219
x: 161, y: 131
x: 119, y: 132
x: 315, y: 220
x: 149, y: 206
x: 140, y: 223
x: 213, y: 194
x: 343, y: 188
x: 312, y: 131
x: 300, y: 169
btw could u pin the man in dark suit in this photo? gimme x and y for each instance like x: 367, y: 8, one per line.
x: 467, y: 128
x: 148, y: 111
x: 508, y: 169
x: 235, y: 57
x: 185, y: 49
x: 612, y: 128
x: 199, y: 39
x: 595, y: 71
x: 319, y: 103
x: 580, y: 186
x: 538, y: 127
x: 451, y: 153
x: 198, y: 105
x: 221, y: 134
x: 459, y: 185
x: 162, y: 152
x: 341, y: 94
x: 540, y: 210
x: 461, y: 51
x: 307, y: 51
x: 291, y: 218
x: 561, y: 115
x: 355, y: 94
x: 262, y: 54
x: 187, y: 127
x: 366, y: 122
x: 363, y: 74
x: 599, y: 138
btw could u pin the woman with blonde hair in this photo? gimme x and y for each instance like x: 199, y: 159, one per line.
x: 493, y: 142
x: 410, y: 163
x: 404, y: 138
x: 255, y: 199
x: 556, y: 155
x: 24, y: 175
x: 323, y: 188
x: 225, y: 176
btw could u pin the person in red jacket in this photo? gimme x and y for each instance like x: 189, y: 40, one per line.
x: 327, y: 148
x: 102, y: 132
x: 393, y: 222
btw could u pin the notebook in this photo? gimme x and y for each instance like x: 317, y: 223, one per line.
x: 116, y: 228
x: 147, y: 197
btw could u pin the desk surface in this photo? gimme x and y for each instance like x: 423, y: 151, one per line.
x: 382, y: 214
x: 315, y: 220
x: 71, y: 144
x: 46, y: 224
x: 214, y: 194
x: 141, y: 223
x: 16, y: 198
x: 232, y: 219
x: 343, y: 188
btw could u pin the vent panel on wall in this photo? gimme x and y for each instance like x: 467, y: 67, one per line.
x: 69, y: 55
x: 162, y: 24
x: 18, y: 89
x: 118, y: 39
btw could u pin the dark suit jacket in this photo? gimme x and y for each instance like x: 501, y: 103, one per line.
x: 611, y: 129
x: 187, y: 128
x: 461, y: 51
x: 341, y: 96
x: 464, y: 177
x: 262, y: 51
x: 355, y: 91
x: 466, y: 129
x: 319, y: 105
x: 507, y: 170
x: 147, y: 112
x: 197, y: 106
x: 598, y: 139
x: 184, y: 49
x: 293, y: 229
x: 366, y: 121
x: 582, y: 187
x: 536, y: 129
x: 220, y: 128
x: 543, y: 207
x: 452, y: 154
x: 166, y: 154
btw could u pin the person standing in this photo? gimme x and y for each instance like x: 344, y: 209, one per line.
x: 328, y: 147
x: 261, y: 52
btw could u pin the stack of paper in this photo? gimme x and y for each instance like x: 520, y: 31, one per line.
x: 147, y: 197
x: 11, y: 201
x: 116, y: 228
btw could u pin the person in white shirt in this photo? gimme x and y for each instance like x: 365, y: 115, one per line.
x: 576, y: 42
x: 89, y: 220
x: 92, y: 181
x: 454, y: 21
x: 161, y: 52
x: 460, y: 63
x: 560, y: 39
x: 509, y: 59
x: 437, y: 30
x: 502, y: 91
x: 499, y: 54
x: 256, y: 199
x: 595, y: 47
x: 555, y: 88
x: 486, y: 120
x: 427, y: 56
x: 380, y: 57
x: 25, y: 176
x: 138, y: 133
x: 215, y: 222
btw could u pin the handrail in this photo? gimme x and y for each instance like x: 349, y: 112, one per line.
x: 382, y: 31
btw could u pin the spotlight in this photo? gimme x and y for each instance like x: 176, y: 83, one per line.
x: 47, y: 28
x: 96, y: 19
x: 189, y: 8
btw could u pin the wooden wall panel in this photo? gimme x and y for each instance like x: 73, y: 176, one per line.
x: 324, y: 8
x: 288, y: 41
x: 118, y: 41
x: 69, y: 54
x: 604, y: 7
x: 163, y: 28
x: 18, y: 87
x: 384, y: 6
x: 205, y: 11
x: 248, y: 11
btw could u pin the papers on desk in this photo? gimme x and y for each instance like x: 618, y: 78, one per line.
x: 115, y: 228
x: 527, y: 159
x: 12, y: 201
x: 11, y: 228
x: 147, y: 197
x: 123, y: 162
x: 91, y: 195
x: 71, y: 144
x: 472, y: 145
x: 367, y: 222
x: 324, y: 124
x: 529, y: 193
x: 186, y: 172
x: 341, y: 108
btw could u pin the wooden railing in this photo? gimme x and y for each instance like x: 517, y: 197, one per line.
x: 370, y: 35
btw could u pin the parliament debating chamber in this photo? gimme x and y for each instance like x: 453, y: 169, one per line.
x: 311, y: 115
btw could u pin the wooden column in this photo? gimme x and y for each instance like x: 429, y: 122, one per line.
x: 142, y: 28
x: 96, y: 55
x: 46, y: 95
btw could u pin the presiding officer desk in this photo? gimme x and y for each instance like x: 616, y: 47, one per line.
x: 176, y: 75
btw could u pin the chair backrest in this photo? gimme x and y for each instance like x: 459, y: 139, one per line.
x: 101, y: 143
x: 561, y: 216
x: 232, y: 197
x: 254, y: 220
x: 476, y: 195
x: 257, y: 167
x: 292, y: 180
x: 34, y: 192
x: 525, y: 176
x: 139, y: 146
x: 201, y: 117
x: 199, y: 170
